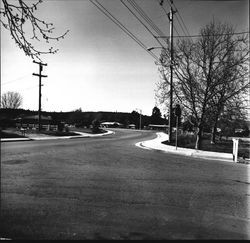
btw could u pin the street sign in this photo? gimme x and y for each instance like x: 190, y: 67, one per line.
x: 177, y: 110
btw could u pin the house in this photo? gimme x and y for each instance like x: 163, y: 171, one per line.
x: 31, y: 122
x: 157, y: 127
x: 111, y: 124
x: 131, y: 126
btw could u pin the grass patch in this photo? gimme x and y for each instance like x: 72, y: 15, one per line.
x: 4, y: 134
x: 223, y: 146
x: 88, y: 130
x: 57, y: 133
x: 16, y: 133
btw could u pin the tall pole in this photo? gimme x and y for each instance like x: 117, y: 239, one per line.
x: 40, y: 97
x: 40, y: 90
x: 140, y: 119
x: 176, y: 134
x: 171, y: 74
x: 140, y: 110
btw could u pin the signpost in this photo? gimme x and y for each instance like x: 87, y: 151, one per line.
x: 235, y: 149
x: 178, y: 115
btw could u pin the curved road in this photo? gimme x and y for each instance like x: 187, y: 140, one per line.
x: 107, y: 188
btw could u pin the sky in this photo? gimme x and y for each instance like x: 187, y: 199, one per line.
x: 98, y: 66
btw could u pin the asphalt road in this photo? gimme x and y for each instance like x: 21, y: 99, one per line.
x: 107, y: 188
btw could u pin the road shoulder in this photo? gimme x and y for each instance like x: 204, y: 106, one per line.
x: 156, y: 144
x: 47, y: 137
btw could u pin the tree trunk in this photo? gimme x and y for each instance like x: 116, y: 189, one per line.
x: 213, y: 135
x: 214, y: 129
x: 198, y: 138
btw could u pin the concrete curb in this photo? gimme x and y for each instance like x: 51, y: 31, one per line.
x: 14, y: 139
x: 87, y: 135
x: 156, y: 144
x: 81, y: 135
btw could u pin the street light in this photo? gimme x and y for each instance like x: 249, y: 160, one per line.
x: 171, y: 91
x: 140, y: 115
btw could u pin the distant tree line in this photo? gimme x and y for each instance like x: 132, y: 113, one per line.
x: 85, y: 119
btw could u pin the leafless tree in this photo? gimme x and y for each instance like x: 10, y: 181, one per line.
x: 209, y: 72
x: 11, y: 100
x: 18, y: 17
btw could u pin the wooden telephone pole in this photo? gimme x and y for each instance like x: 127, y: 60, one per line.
x: 171, y: 20
x: 40, y: 86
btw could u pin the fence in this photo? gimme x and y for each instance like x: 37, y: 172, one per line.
x: 47, y: 127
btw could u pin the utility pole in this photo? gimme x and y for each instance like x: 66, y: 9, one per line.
x: 40, y: 85
x: 140, y: 110
x: 170, y: 16
x: 140, y: 119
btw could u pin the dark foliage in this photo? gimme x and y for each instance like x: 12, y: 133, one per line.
x: 78, y: 118
x: 95, y: 126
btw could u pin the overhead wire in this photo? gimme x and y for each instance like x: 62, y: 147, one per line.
x: 178, y: 12
x: 26, y: 89
x: 30, y: 87
x: 161, y: 4
x: 194, y: 36
x: 141, y: 22
x: 15, y: 80
x: 142, y: 13
x: 186, y: 32
x: 121, y: 26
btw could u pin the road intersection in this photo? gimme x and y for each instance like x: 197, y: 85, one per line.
x: 108, y: 188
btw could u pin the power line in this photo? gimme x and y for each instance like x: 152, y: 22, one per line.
x: 15, y: 80
x: 193, y: 36
x: 141, y: 22
x: 178, y: 12
x: 161, y: 4
x: 185, y: 33
x: 121, y: 26
x: 28, y: 88
x: 145, y: 16
x: 140, y: 11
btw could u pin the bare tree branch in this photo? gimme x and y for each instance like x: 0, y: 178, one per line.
x: 12, y: 100
x: 16, y: 16
x: 209, y: 72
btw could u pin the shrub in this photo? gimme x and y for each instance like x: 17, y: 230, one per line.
x: 244, y: 133
x: 244, y: 153
x: 95, y: 126
x: 60, y: 127
x: 185, y: 139
x: 66, y: 129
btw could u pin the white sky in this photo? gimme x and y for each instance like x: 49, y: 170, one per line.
x: 98, y: 67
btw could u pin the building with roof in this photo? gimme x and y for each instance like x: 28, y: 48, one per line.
x: 157, y: 127
x: 111, y: 124
x: 31, y: 122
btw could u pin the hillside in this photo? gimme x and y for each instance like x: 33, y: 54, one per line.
x: 79, y: 117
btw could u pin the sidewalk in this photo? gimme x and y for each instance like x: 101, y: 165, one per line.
x: 157, y: 145
x: 47, y: 137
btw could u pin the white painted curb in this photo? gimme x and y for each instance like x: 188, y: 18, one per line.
x: 14, y: 139
x: 156, y: 144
